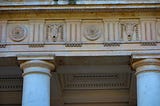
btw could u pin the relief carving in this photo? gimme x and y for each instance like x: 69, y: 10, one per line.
x: 18, y: 33
x: 73, y: 44
x: 36, y: 45
x: 111, y: 44
x: 3, y: 45
x: 148, y: 44
x: 95, y: 80
x: 130, y: 31
x: 158, y: 29
x: 3, y: 25
x: 11, y: 83
x: 55, y: 32
x: 92, y: 32
x: 0, y: 32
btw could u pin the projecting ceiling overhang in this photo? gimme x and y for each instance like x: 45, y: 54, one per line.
x: 81, y: 7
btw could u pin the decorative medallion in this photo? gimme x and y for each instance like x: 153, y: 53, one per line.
x: 18, y: 33
x: 129, y: 27
x: 55, y: 32
x: 92, y: 32
x: 131, y: 30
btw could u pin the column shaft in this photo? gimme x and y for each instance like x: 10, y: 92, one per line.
x: 36, y: 83
x: 148, y: 89
x: 148, y: 82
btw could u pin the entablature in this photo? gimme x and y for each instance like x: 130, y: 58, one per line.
x: 72, y: 36
x: 107, y: 31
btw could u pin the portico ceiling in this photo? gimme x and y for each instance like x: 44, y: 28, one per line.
x: 76, y: 73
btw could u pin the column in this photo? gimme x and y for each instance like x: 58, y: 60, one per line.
x: 36, y: 82
x: 148, y: 81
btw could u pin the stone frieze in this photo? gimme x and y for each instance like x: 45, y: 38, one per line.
x: 75, y: 33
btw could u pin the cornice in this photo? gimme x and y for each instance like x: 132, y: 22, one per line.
x: 81, y: 8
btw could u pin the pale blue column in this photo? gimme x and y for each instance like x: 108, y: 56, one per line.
x: 148, y: 81
x: 36, y: 90
x: 36, y: 83
x: 148, y: 89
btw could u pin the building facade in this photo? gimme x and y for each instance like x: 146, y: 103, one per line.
x: 79, y: 53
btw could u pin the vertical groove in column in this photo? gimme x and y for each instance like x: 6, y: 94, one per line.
x: 148, y: 31
x: 0, y: 32
x: 143, y: 31
x: 41, y: 33
x: 36, y: 32
x: 70, y: 36
x: 3, y: 31
x: 78, y: 32
x: 73, y: 32
x: 116, y: 31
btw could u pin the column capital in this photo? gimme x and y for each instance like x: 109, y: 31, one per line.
x: 36, y: 64
x: 27, y: 57
x: 136, y: 57
x: 39, y: 66
x: 146, y: 63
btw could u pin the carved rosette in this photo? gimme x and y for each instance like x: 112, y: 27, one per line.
x: 92, y: 32
x: 55, y: 32
x: 18, y: 33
